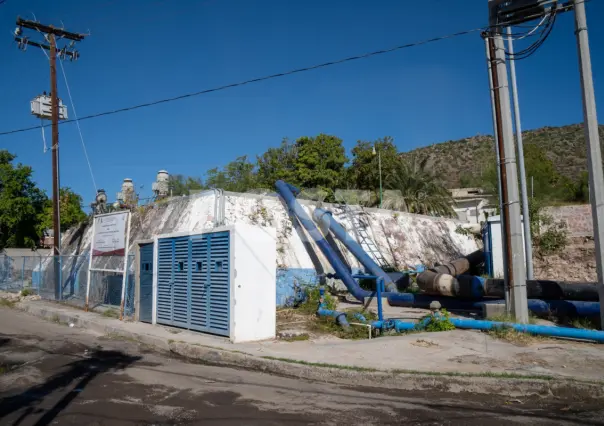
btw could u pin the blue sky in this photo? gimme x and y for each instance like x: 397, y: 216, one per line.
x: 143, y: 50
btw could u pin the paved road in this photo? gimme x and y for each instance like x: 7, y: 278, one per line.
x: 53, y: 374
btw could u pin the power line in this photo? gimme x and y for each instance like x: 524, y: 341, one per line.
x: 78, y: 125
x: 259, y: 79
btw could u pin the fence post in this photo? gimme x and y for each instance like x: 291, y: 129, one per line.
x: 23, y: 273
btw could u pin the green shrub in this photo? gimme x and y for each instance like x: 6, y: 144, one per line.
x: 439, y: 321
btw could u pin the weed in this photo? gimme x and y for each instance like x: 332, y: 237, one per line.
x: 56, y: 318
x: 296, y: 338
x: 111, y: 313
x: 3, y: 370
x: 510, y: 318
x: 170, y: 341
x: 322, y: 364
x: 424, y: 343
x: 440, y: 322
x: 7, y: 303
x: 27, y: 292
x: 585, y: 323
x: 515, y: 337
x: 313, y: 297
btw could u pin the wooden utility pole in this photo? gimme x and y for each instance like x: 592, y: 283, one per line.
x: 50, y: 34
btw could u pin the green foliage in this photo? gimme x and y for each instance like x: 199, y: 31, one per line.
x: 320, y: 162
x: 237, y: 176
x: 439, y: 321
x: 549, y: 236
x: 110, y: 313
x: 21, y: 204
x: 366, y: 156
x: 278, y: 164
x: 27, y: 292
x: 71, y: 211
x: 313, y: 297
x: 184, y: 185
x: 420, y: 191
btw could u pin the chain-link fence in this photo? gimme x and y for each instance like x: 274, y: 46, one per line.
x: 37, y: 273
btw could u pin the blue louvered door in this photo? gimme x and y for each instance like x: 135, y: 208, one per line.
x: 165, y: 280
x: 199, y: 282
x: 180, y: 287
x: 218, y: 283
x: 145, y: 312
x: 193, y: 282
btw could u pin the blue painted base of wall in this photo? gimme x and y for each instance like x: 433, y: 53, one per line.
x: 291, y: 283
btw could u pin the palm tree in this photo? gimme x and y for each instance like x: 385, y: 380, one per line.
x: 414, y: 189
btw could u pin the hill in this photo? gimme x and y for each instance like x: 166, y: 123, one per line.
x: 455, y: 161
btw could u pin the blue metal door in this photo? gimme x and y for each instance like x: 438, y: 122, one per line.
x: 199, y: 282
x: 218, y: 283
x: 180, y: 287
x: 165, y: 279
x: 145, y: 309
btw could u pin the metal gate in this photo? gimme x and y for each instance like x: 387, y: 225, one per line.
x: 193, y: 282
x: 146, y: 283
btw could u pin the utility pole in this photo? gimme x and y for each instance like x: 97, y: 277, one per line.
x: 528, y: 241
x: 496, y: 115
x: 594, y: 154
x: 380, y: 172
x: 50, y: 34
x: 509, y: 176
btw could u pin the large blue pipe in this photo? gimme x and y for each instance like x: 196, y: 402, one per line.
x: 287, y: 194
x: 570, y: 308
x: 340, y: 317
x: 540, y: 330
x: 325, y: 218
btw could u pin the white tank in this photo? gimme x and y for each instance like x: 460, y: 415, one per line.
x: 161, y: 186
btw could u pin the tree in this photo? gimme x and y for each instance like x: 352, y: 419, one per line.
x: 21, y: 202
x: 364, y: 171
x: 183, y: 185
x: 420, y: 191
x: 70, y: 207
x: 320, y: 162
x: 237, y: 176
x: 278, y: 164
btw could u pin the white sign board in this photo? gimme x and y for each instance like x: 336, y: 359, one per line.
x: 109, y: 237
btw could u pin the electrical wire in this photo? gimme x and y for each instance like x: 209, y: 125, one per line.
x: 259, y: 79
x: 529, y: 51
x: 78, y: 125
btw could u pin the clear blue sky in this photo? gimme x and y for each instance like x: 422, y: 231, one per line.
x: 143, y: 50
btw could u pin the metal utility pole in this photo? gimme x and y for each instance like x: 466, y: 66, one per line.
x: 490, y: 47
x: 528, y: 241
x: 509, y: 175
x: 50, y: 34
x: 594, y: 154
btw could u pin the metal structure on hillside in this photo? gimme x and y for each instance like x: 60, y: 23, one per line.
x: 507, y: 13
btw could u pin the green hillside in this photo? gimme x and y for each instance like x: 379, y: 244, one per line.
x: 457, y: 162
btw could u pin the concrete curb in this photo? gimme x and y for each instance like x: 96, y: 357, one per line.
x: 409, y: 381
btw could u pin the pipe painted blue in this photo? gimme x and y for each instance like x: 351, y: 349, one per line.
x: 471, y: 286
x: 287, y: 192
x: 360, y: 317
x: 325, y: 218
x: 540, y: 330
x: 340, y: 317
x: 570, y: 308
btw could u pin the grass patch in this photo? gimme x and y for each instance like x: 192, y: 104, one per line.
x: 56, y: 319
x: 586, y: 323
x: 512, y: 336
x: 7, y: 303
x: 110, y: 313
x: 296, y: 338
x: 511, y: 318
x: 27, y: 292
x: 313, y: 298
x: 321, y: 364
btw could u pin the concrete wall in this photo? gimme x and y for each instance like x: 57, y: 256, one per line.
x: 405, y: 240
x: 577, y: 218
